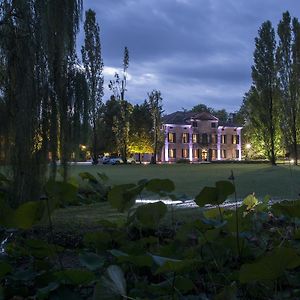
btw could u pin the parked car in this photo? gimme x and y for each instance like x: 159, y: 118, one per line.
x: 106, y: 160
x: 119, y: 160
x: 116, y: 161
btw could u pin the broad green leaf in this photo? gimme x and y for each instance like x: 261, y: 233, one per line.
x: 118, y: 253
x: 112, y: 285
x: 1, y: 293
x: 103, y: 176
x: 137, y: 260
x: 91, y: 261
x: 75, y: 276
x: 6, y: 214
x: 3, y: 178
x: 228, y: 293
x: 99, y: 240
x: 208, y: 195
x: 28, y: 214
x: 60, y: 192
x: 270, y: 266
x: 225, y: 189
x: 122, y: 197
x: 43, y: 293
x: 87, y: 176
x: 150, y: 214
x: 213, y: 213
x: 250, y: 201
x: 160, y: 185
x: 41, y: 249
x: 180, y: 266
x: 160, y: 260
x: 287, y: 208
x: 215, y: 195
x: 184, y: 284
x: 64, y: 292
x: 5, y: 268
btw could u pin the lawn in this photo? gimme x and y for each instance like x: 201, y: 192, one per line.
x: 282, y: 181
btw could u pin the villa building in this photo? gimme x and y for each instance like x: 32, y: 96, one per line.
x: 200, y: 137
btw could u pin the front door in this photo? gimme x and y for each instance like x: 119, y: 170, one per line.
x: 204, y: 155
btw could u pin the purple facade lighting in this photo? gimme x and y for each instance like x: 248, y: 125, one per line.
x: 219, y: 144
x: 191, y: 144
x: 166, y: 144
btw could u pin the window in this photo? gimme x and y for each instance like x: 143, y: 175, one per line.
x: 195, y: 138
x: 235, y: 139
x: 194, y: 124
x: 185, y: 138
x: 196, y: 153
x: 223, y: 139
x: 213, y: 154
x: 171, y: 137
x: 223, y: 153
x: 204, y: 138
x: 172, y: 153
x: 185, y: 153
x: 213, y: 125
x: 237, y: 153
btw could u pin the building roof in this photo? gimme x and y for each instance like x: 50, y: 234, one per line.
x: 183, y: 117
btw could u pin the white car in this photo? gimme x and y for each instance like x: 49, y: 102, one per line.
x: 119, y: 160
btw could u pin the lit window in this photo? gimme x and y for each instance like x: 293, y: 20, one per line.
x: 171, y: 137
x: 185, y: 137
x: 185, y: 153
x: 223, y: 153
x: 235, y: 139
x: 223, y: 138
x: 213, y: 154
x: 195, y: 138
x: 172, y: 153
x: 196, y: 153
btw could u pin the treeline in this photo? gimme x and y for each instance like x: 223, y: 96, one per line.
x: 51, y: 104
x: 271, y: 107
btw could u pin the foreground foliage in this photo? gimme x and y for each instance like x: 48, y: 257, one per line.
x: 250, y: 252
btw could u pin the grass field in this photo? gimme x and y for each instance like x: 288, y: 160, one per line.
x: 282, y: 181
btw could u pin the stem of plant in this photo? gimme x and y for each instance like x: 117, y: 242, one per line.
x: 52, y: 234
x: 236, y: 217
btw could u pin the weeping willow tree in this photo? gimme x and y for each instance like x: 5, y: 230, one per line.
x: 60, y: 23
x: 37, y: 42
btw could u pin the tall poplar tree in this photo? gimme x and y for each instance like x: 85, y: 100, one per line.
x: 93, y: 64
x: 287, y: 60
x: 122, y: 120
x: 155, y: 108
x: 265, y: 83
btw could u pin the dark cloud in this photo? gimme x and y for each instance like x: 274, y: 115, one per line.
x: 192, y: 50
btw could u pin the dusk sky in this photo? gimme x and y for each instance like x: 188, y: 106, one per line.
x: 193, y: 51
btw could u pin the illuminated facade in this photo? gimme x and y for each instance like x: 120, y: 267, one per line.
x: 200, y: 137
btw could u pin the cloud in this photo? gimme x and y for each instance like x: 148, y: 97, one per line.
x: 194, y: 51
